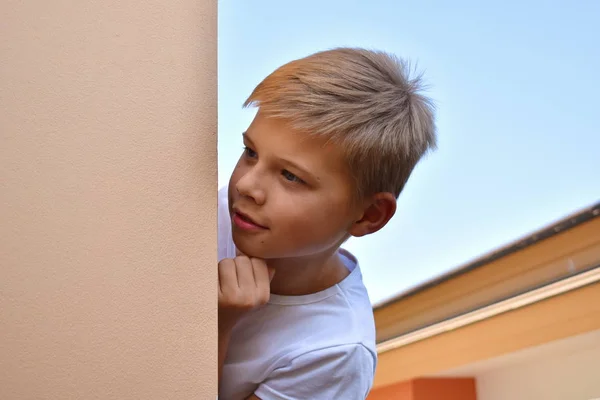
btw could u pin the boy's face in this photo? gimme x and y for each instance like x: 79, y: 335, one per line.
x: 290, y: 194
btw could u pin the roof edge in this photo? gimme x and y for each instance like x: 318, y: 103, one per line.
x: 555, y: 228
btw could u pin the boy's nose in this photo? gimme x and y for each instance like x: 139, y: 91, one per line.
x: 249, y: 186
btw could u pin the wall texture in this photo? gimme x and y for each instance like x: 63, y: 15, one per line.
x: 565, y: 370
x: 108, y: 199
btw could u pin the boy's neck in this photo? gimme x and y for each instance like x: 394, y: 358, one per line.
x: 307, y: 275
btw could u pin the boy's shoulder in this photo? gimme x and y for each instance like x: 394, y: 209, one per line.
x: 323, y: 343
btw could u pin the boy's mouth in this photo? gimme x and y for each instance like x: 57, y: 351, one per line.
x: 245, y: 222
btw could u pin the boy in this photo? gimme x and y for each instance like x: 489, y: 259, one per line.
x: 335, y: 138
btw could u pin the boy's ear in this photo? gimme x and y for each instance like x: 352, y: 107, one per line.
x: 376, y: 214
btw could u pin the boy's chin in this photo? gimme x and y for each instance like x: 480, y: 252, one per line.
x: 259, y: 250
x: 251, y: 250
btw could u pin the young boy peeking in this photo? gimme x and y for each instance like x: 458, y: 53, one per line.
x: 335, y: 139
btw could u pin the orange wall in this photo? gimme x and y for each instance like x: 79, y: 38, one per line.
x: 107, y: 199
x: 397, y: 391
x: 428, y: 389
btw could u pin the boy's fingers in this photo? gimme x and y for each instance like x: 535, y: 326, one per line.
x: 227, y: 275
x: 262, y: 274
x: 245, y: 275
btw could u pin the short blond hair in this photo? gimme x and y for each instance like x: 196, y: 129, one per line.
x: 364, y: 100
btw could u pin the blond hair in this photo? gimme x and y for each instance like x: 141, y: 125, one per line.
x: 364, y: 100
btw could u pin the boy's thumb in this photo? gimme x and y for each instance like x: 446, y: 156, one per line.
x: 271, y: 273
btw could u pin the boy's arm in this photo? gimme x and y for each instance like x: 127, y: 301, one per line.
x: 342, y: 371
x: 244, y: 284
x: 224, y: 336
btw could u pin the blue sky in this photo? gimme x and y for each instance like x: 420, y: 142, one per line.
x: 516, y: 87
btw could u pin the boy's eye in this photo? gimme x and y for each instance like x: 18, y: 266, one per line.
x: 291, y: 177
x: 249, y: 152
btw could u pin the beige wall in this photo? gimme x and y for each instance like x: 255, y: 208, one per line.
x: 565, y: 370
x: 108, y: 199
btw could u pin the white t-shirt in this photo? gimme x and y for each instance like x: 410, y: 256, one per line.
x: 319, y: 346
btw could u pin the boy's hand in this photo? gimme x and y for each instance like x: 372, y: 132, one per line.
x: 244, y: 284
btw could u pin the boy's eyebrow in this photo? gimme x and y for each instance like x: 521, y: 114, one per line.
x: 245, y: 136
x: 288, y: 162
